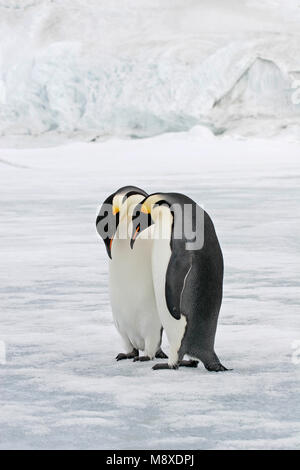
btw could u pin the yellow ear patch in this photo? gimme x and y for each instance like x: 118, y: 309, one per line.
x: 144, y: 209
x: 115, y: 210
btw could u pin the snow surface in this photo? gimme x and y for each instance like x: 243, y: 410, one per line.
x: 60, y: 386
x: 141, y: 68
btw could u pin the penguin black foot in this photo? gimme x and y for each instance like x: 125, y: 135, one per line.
x: 160, y: 354
x: 134, y: 353
x: 141, y: 359
x: 215, y: 367
x: 164, y: 365
x: 191, y: 363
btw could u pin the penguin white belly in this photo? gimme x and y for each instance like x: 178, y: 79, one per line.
x: 132, y: 295
x: 161, y: 254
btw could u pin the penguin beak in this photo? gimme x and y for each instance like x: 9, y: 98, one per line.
x: 110, y: 245
x: 140, y: 221
x: 107, y: 224
x: 135, y: 234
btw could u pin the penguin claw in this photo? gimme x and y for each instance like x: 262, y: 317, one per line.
x: 165, y: 365
x: 130, y: 355
x: 121, y: 356
x: 141, y: 359
x: 191, y: 363
x: 216, y: 368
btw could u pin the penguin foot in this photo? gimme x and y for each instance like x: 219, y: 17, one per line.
x: 160, y: 354
x: 141, y: 358
x: 191, y: 363
x: 134, y: 353
x: 215, y: 367
x: 164, y: 365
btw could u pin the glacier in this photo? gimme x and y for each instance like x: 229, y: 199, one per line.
x: 137, y: 69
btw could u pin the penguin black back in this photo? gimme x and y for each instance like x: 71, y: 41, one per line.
x: 194, y: 278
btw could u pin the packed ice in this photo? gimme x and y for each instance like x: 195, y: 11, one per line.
x: 138, y: 69
x: 60, y: 386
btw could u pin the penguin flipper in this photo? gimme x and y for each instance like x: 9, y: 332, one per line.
x: 177, y: 273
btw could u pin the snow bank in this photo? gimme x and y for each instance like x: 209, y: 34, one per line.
x: 139, y: 69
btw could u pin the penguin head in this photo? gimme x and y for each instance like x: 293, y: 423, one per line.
x: 113, y: 210
x: 145, y: 214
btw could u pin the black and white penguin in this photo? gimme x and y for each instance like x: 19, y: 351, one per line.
x: 130, y: 276
x: 187, y: 271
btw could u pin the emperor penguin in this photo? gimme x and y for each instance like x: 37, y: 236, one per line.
x: 131, y: 288
x: 187, y: 271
